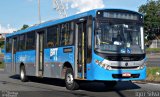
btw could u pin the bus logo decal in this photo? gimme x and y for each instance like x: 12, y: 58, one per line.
x: 53, y: 53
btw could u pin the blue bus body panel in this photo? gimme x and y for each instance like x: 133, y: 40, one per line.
x: 8, y: 62
x: 61, y: 56
x: 28, y: 58
x: 54, y: 63
x: 8, y: 58
x: 25, y: 56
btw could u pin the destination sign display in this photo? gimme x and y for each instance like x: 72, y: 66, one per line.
x: 120, y: 15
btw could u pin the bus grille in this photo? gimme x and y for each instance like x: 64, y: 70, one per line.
x: 120, y: 76
x: 125, y: 58
x: 118, y: 67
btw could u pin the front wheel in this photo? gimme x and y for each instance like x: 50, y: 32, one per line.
x: 71, y: 84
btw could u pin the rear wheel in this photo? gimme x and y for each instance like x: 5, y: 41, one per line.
x: 23, y: 76
x: 71, y: 84
x: 110, y: 84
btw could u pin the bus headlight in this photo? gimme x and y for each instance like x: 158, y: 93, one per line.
x: 142, y: 66
x: 103, y: 64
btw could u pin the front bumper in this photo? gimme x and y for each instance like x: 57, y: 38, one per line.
x: 98, y: 73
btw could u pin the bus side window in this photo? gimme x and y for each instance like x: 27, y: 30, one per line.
x: 22, y: 43
x: 8, y: 45
x: 52, y: 37
x: 67, y: 34
x: 71, y: 33
x: 62, y: 35
x: 56, y: 36
x: 15, y: 45
x: 30, y: 45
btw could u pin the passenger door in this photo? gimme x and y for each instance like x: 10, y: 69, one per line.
x: 14, y: 49
x: 82, y: 48
x: 40, y: 53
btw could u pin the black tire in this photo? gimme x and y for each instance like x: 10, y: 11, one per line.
x: 110, y: 84
x: 23, y: 76
x: 71, y: 84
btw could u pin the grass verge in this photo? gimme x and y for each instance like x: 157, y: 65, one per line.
x: 1, y: 65
x: 153, y: 74
x: 153, y: 50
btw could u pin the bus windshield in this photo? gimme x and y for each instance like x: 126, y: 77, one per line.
x: 118, y: 38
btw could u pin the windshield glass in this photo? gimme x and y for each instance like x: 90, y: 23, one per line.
x: 118, y: 38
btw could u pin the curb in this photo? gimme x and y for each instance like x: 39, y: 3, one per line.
x: 1, y: 69
x: 145, y: 82
x: 140, y: 82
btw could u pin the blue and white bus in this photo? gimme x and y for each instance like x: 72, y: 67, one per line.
x: 99, y: 45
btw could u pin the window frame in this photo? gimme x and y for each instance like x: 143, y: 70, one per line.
x: 34, y: 38
x: 57, y: 32
x: 58, y: 26
x: 19, y: 43
x: 8, y: 45
x: 71, y: 30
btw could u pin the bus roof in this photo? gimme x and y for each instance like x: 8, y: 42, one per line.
x: 54, y: 22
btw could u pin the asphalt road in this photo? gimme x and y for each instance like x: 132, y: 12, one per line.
x: 11, y: 86
x: 153, y: 62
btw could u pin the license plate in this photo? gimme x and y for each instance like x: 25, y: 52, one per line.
x: 126, y: 75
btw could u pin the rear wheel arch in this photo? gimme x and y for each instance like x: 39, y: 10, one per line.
x: 21, y: 64
x: 68, y: 65
x: 64, y: 68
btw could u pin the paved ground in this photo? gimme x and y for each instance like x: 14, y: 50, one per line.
x: 153, y: 60
x: 12, y: 86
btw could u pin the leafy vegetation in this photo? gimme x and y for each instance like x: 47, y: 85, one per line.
x: 24, y: 27
x: 1, y: 65
x: 153, y: 50
x: 151, y: 12
x: 153, y: 74
x: 1, y: 43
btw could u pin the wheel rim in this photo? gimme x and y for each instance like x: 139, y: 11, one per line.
x: 69, y: 79
x: 22, y: 74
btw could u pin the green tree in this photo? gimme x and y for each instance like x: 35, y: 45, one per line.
x: 1, y: 43
x: 24, y: 27
x: 151, y: 12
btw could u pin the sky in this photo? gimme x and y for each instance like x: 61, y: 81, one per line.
x: 15, y: 13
